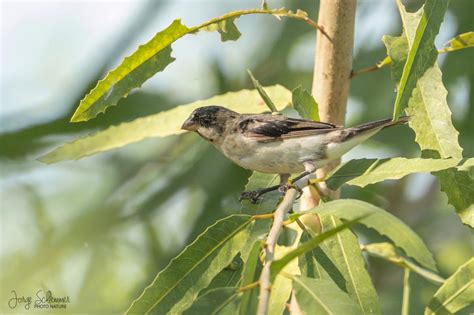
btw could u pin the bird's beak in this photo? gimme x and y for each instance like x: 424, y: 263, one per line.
x: 190, y: 125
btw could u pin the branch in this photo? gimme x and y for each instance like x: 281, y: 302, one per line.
x: 272, y: 238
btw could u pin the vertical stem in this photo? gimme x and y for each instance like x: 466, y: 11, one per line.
x: 406, y: 292
x: 333, y: 63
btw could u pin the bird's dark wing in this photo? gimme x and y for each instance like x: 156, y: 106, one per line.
x: 270, y: 127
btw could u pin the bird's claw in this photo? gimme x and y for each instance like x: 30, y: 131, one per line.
x: 251, y: 196
x: 285, y: 187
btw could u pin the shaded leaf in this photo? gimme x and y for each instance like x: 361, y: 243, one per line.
x: 262, y: 93
x: 228, y: 277
x: 217, y: 301
x: 319, y: 296
x: 134, y: 70
x: 465, y: 40
x: 363, y: 172
x: 390, y: 253
x: 305, y: 104
x: 163, y: 124
x: 175, y: 287
x: 347, y: 256
x: 422, y: 54
x: 456, y: 293
x: 278, y: 264
x: 383, y: 222
x: 252, y: 269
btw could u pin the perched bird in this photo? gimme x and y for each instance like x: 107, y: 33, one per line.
x: 277, y: 144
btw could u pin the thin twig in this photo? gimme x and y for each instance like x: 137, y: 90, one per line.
x: 248, y: 286
x: 265, y: 282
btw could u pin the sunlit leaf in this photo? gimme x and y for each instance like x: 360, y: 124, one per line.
x: 228, y: 277
x: 363, y: 172
x: 226, y: 29
x: 262, y: 93
x: 422, y: 54
x: 217, y: 301
x: 383, y: 222
x: 305, y: 104
x: 465, y: 40
x: 174, y: 288
x: 319, y: 296
x: 390, y: 253
x: 456, y: 293
x: 163, y: 124
x: 347, y: 257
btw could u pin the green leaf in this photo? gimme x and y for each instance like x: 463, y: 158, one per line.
x: 347, y: 256
x: 465, y: 40
x: 383, y: 222
x: 422, y: 54
x: 262, y: 93
x: 305, y: 104
x: 226, y: 29
x: 134, y: 70
x: 174, y: 288
x: 279, y: 264
x: 456, y: 293
x: 267, y: 203
x: 163, y: 124
x: 217, y: 301
x: 390, y: 253
x: 228, y: 277
x: 318, y: 296
x: 363, y: 172
x: 252, y: 269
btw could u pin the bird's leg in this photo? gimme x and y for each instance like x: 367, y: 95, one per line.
x: 253, y: 195
x: 292, y: 183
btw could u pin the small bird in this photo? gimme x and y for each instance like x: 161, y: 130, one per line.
x: 278, y: 144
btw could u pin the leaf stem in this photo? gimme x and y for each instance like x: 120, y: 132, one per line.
x: 248, y: 286
x: 263, y: 216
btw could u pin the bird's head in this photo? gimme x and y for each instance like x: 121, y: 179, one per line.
x: 209, y: 122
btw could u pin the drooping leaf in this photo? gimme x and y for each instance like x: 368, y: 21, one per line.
x: 252, y: 269
x: 217, y: 301
x: 305, y: 104
x: 262, y: 93
x: 456, y: 293
x: 422, y: 54
x: 383, y: 222
x: 319, y: 296
x: 175, y: 287
x: 163, y: 124
x: 147, y: 60
x: 347, y: 256
x: 390, y: 253
x: 363, y: 172
x: 278, y: 264
x: 465, y: 40
x: 226, y: 29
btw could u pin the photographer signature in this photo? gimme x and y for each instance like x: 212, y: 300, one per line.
x: 44, y: 299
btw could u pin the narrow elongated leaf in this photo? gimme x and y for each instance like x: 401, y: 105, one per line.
x: 319, y: 296
x: 252, y: 269
x: 305, y: 104
x: 262, y: 93
x: 228, y: 277
x: 162, y: 124
x: 278, y: 264
x: 147, y: 60
x: 390, y: 253
x: 175, y: 287
x: 456, y: 293
x: 369, y: 171
x: 217, y: 301
x: 465, y: 40
x: 422, y: 54
x: 347, y: 256
x: 383, y: 222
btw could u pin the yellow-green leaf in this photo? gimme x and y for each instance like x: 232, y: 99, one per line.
x: 461, y: 41
x: 305, y: 104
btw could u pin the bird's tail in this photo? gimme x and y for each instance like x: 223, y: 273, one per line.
x: 375, y: 126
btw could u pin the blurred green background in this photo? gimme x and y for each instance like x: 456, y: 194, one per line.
x: 99, y: 229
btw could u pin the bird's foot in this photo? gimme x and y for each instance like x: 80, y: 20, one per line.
x: 285, y: 187
x: 251, y: 196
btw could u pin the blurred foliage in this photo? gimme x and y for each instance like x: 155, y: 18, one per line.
x: 100, y: 229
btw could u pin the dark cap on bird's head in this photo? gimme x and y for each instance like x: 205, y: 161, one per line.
x: 207, y: 117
